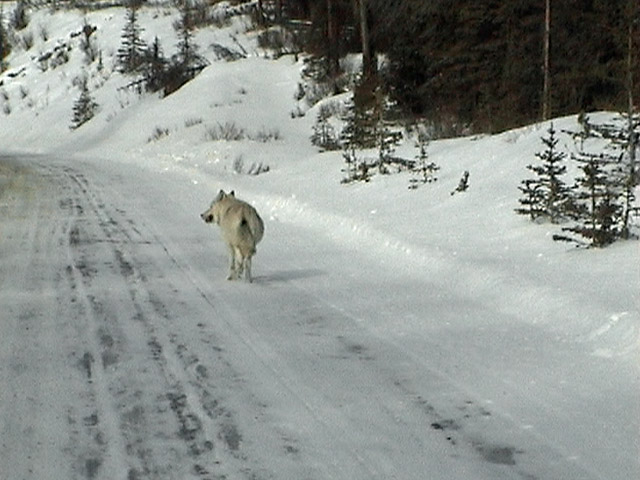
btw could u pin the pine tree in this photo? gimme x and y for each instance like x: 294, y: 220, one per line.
x: 547, y: 195
x: 131, y: 53
x: 388, y: 137
x: 622, y: 134
x: 324, y: 135
x: 187, y: 56
x: 629, y: 181
x: 532, y: 199
x: 20, y: 18
x: 599, y: 193
x: 5, y: 46
x: 423, y: 170
x: 355, y: 136
x: 85, y: 107
x: 187, y: 63
x: 388, y: 140
x: 628, y: 170
x: 361, y: 122
x: 154, y: 67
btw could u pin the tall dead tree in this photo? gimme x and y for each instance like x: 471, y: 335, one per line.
x: 633, y: 17
x: 332, y: 40
x: 278, y: 12
x: 369, y: 62
x: 547, y: 77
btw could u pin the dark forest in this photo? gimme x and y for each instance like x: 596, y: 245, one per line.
x: 479, y: 65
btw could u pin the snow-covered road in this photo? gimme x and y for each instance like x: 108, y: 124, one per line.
x: 124, y: 354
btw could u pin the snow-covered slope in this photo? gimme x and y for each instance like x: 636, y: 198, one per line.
x: 390, y: 333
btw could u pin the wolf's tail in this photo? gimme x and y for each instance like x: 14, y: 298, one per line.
x: 255, y: 225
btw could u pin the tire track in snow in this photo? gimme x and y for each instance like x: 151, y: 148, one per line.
x: 33, y: 345
x: 335, y: 454
x: 470, y: 425
x: 199, y: 415
x: 108, y: 457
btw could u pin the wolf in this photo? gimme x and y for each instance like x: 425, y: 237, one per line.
x: 241, y: 228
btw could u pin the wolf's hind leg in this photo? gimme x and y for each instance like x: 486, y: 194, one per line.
x: 239, y: 263
x: 233, y: 274
x: 247, y: 269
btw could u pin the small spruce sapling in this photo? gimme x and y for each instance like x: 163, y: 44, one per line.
x: 5, y: 44
x: 532, y: 198
x: 599, y: 194
x: 605, y: 198
x: 355, y: 169
x: 85, y: 107
x: 353, y: 137
x: 324, y: 135
x: 388, y: 140
x: 423, y: 171
x: 547, y: 195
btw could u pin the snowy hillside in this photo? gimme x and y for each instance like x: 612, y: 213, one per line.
x: 390, y: 332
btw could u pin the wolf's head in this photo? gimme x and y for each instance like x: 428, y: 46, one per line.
x: 212, y: 214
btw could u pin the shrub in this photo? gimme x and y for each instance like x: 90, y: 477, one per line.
x: 265, y: 135
x: 228, y: 131
x: 157, y: 134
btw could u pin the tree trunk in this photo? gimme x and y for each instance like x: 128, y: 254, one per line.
x: 369, y: 63
x: 630, y: 71
x: 261, y: 19
x: 546, y: 88
x: 332, y: 39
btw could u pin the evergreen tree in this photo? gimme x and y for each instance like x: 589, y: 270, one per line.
x: 331, y: 34
x: 324, y: 135
x: 131, y: 53
x: 359, y: 131
x: 154, y: 67
x: 20, y: 18
x: 622, y: 134
x: 532, y: 198
x: 5, y: 46
x: 627, y: 170
x: 356, y: 169
x: 351, y: 139
x: 424, y: 171
x: 629, y: 182
x: 187, y: 56
x: 606, y: 190
x: 599, y: 192
x: 187, y: 63
x: 85, y: 107
x: 547, y: 195
x: 479, y: 66
x: 388, y: 140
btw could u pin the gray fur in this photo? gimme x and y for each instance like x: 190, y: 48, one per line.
x: 241, y: 228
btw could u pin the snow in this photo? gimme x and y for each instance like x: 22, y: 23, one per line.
x: 389, y: 333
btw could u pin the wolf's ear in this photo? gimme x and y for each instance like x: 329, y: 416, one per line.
x: 232, y: 193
